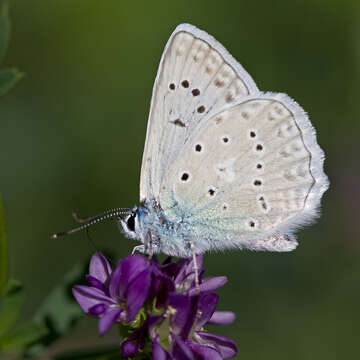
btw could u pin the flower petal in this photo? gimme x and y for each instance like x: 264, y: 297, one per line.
x: 210, y: 284
x: 222, y: 318
x: 226, y: 347
x: 137, y: 340
x: 190, y: 264
x: 170, y: 269
x: 99, y: 267
x: 180, y: 350
x: 125, y: 271
x: 110, y: 316
x: 207, y: 306
x: 129, y: 348
x: 137, y: 293
x: 151, y: 322
x: 161, y: 286
x: 94, y: 282
x: 181, y: 273
x: 181, y: 303
x: 115, y: 279
x: 158, y: 352
x: 186, y: 272
x: 87, y: 297
x: 186, y: 309
x: 97, y: 310
x: 204, y: 352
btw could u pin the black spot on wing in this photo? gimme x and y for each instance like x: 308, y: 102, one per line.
x: 178, y: 122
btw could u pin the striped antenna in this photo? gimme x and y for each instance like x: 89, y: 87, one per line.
x: 109, y: 214
x: 91, y: 218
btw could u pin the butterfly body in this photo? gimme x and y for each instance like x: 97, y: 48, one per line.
x: 173, y: 236
x: 225, y: 165
x: 169, y: 236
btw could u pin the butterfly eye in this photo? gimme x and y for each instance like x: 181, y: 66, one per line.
x: 130, y: 222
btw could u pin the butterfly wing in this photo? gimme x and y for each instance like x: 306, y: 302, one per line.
x: 248, y: 176
x: 197, y: 77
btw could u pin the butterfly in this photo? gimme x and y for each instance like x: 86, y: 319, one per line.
x: 225, y: 165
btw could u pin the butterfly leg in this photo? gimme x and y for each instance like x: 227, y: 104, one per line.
x: 139, y: 248
x: 196, y: 268
x: 148, y: 244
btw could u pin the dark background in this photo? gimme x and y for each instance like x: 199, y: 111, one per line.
x: 72, y: 135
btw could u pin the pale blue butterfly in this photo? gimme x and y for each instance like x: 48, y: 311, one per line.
x: 225, y: 165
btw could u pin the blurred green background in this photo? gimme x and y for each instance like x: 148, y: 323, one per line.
x: 72, y: 135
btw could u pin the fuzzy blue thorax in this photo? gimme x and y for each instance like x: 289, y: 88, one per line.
x: 168, y: 236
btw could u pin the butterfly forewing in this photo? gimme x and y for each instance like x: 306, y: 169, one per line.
x: 197, y: 77
x: 228, y: 165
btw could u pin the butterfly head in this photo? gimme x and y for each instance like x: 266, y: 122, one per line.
x: 132, y: 224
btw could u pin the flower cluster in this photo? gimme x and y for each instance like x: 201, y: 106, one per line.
x: 157, y: 306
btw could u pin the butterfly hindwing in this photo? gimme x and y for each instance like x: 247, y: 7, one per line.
x: 197, y: 77
x: 248, y: 175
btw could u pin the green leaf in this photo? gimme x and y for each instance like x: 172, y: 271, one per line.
x: 60, y: 307
x: 59, y: 311
x: 22, y: 336
x: 11, y: 305
x: 3, y: 252
x: 8, y: 79
x: 5, y: 28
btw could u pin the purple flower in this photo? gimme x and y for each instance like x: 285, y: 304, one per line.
x: 189, y: 315
x: 114, y: 296
x: 158, y: 306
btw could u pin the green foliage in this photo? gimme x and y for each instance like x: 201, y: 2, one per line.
x: 56, y: 316
x: 5, y: 28
x: 59, y: 306
x: 12, y: 296
x: 3, y: 252
x: 22, y: 336
x: 58, y: 312
x: 8, y: 79
x: 11, y: 305
x: 15, y: 339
